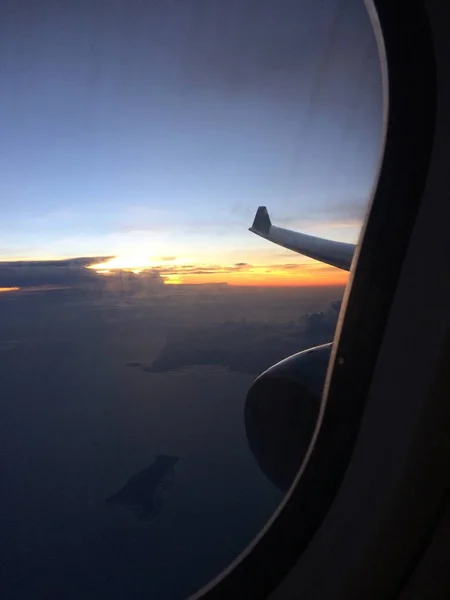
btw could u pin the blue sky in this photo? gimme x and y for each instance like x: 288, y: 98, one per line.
x: 154, y: 129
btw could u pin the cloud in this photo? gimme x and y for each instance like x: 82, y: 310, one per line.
x: 304, y: 272
x: 83, y: 261
x: 241, y: 267
x: 68, y: 273
x: 292, y: 266
x: 72, y: 272
x: 246, y: 346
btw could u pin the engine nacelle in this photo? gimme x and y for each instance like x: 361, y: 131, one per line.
x: 281, y: 410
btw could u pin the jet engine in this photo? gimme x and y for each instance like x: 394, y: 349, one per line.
x: 281, y: 410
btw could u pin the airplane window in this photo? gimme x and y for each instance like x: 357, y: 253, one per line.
x: 140, y: 143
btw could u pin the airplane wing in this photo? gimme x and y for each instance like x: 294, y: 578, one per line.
x: 337, y: 254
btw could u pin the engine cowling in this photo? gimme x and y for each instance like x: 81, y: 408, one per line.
x: 281, y: 410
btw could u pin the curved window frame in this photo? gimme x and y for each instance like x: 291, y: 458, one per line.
x: 409, y: 88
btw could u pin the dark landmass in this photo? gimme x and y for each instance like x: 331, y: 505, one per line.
x: 144, y: 493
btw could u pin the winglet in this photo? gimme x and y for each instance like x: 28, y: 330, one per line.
x: 337, y: 254
x: 261, y: 222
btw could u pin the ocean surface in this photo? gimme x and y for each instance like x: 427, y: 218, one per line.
x: 94, y: 389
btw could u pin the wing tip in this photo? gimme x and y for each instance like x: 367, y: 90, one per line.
x: 261, y: 222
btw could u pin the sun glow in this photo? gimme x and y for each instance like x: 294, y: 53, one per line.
x: 173, y: 279
x: 9, y: 289
x: 122, y: 263
x: 136, y: 263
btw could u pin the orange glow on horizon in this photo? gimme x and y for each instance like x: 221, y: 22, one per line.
x: 273, y: 279
x: 177, y: 272
x: 9, y: 289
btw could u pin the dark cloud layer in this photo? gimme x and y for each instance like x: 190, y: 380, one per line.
x: 246, y: 346
x: 41, y: 275
x: 71, y: 273
x: 83, y: 261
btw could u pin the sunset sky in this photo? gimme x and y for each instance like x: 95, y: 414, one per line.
x: 151, y: 131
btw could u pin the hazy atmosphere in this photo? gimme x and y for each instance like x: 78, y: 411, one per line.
x: 136, y: 309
